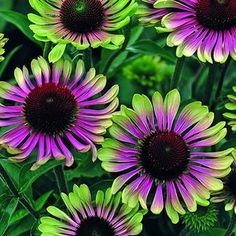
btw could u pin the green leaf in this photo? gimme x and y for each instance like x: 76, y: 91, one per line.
x: 212, y: 232
x: 40, y: 202
x: 9, y: 56
x: 12, y: 169
x: 135, y: 34
x: 20, y: 21
x: 6, y: 5
x: 21, y: 227
x: 86, y: 168
x: 18, y: 215
x: 28, y: 177
x: 147, y: 46
x: 5, y: 218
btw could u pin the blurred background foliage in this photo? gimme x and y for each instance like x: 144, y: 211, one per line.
x: 145, y: 66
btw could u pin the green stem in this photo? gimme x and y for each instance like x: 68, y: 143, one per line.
x: 231, y: 226
x: 46, y: 49
x: 221, y: 81
x: 60, y: 179
x: 88, y: 58
x: 177, y: 74
x: 118, y: 52
x: 22, y: 199
x: 210, y: 85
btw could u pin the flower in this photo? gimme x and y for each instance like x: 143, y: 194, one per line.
x: 231, y: 107
x: 144, y: 70
x: 51, y: 111
x: 154, y: 147
x: 3, y: 41
x: 228, y: 194
x: 204, y: 219
x: 83, y: 23
x: 205, y: 26
x: 107, y: 216
x: 149, y: 15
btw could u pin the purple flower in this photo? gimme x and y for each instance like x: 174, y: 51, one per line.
x: 228, y: 194
x: 149, y: 15
x: 207, y: 27
x: 55, y: 111
x: 107, y: 216
x: 157, y: 148
x: 81, y: 23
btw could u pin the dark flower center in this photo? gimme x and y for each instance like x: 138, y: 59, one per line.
x: 164, y: 155
x: 230, y: 184
x: 50, y: 108
x: 95, y: 226
x: 216, y: 14
x: 82, y: 16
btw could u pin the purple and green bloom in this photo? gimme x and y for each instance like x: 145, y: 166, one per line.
x: 231, y: 107
x: 207, y: 27
x: 228, y: 194
x: 157, y: 148
x: 82, y: 23
x: 3, y: 41
x: 149, y: 15
x: 107, y: 216
x: 56, y: 110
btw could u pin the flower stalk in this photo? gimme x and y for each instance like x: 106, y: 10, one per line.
x: 178, y: 72
x: 231, y: 226
x: 60, y: 179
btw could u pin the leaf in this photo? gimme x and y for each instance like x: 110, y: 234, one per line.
x: 5, y: 5
x: 39, y: 204
x: 12, y: 169
x: 5, y: 218
x: 21, y: 227
x: 86, y: 168
x: 28, y: 177
x: 20, y: 21
x: 212, y: 232
x: 149, y: 47
x: 135, y: 34
x: 18, y: 215
x: 9, y: 56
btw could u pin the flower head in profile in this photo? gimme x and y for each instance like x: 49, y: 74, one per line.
x: 58, y: 109
x: 106, y: 217
x: 161, y: 149
x: 207, y: 27
x: 3, y: 41
x: 82, y: 23
x: 148, y: 14
x: 228, y: 194
x: 231, y: 107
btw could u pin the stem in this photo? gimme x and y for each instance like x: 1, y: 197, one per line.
x: 87, y: 58
x: 22, y: 199
x: 209, y: 85
x: 223, y: 74
x: 46, y: 49
x: 60, y: 179
x: 231, y: 226
x: 117, y: 53
x: 177, y: 74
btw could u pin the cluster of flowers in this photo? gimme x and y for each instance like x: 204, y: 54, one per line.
x: 159, y: 150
